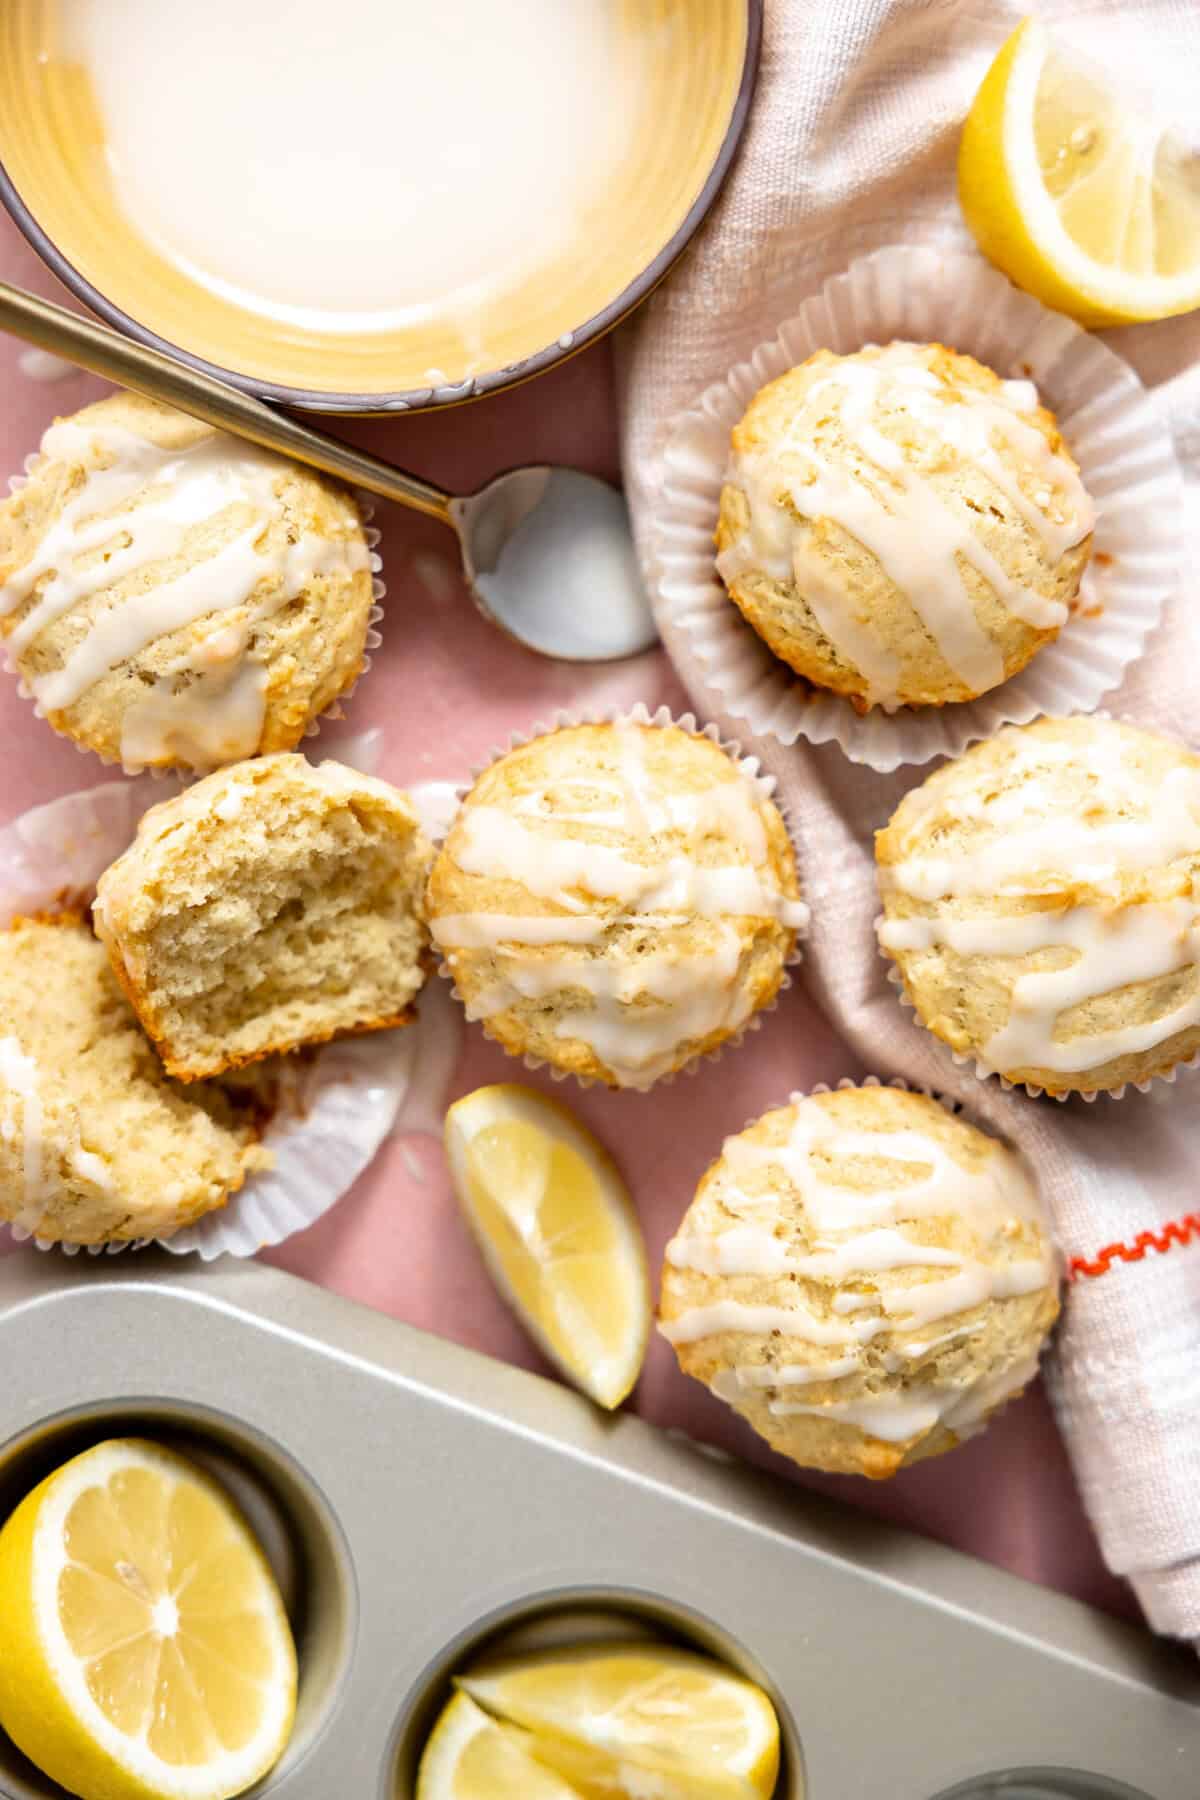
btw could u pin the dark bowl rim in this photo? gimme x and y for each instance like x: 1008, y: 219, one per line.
x: 424, y: 399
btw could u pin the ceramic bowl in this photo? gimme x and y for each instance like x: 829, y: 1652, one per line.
x: 701, y: 57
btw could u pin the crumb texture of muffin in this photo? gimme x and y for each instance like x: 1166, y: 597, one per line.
x: 901, y: 526
x: 616, y: 900
x: 1041, y: 903
x: 864, y: 1277
x: 271, y: 905
x: 174, y: 598
x: 97, y: 1144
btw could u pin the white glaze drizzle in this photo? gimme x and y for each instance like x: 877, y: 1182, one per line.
x: 893, y: 1417
x: 733, y: 1384
x: 1036, y: 852
x: 479, y: 931
x: 907, y: 1308
x: 919, y: 536
x: 999, y: 1189
x: 215, y: 718
x: 900, y: 1418
x: 749, y: 1250
x: 1112, y: 949
x: 795, y: 1321
x: 638, y: 1011
x: 137, y: 503
x: 857, y: 1237
x: 1036, y: 849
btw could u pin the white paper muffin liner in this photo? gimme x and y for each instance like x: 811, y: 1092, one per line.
x: 1122, y: 445
x: 340, y: 1103
x: 764, y: 784
x: 335, y: 709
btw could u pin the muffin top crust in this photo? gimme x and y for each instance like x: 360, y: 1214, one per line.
x: 174, y: 597
x: 902, y: 526
x: 1041, y: 902
x: 616, y: 899
x: 864, y: 1276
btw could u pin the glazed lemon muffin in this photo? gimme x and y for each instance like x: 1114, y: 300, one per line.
x: 97, y: 1145
x: 176, y: 598
x: 615, y: 900
x: 271, y: 905
x: 864, y: 1277
x: 1041, y: 902
x: 901, y: 526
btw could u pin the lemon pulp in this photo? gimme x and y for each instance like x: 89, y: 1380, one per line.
x: 1078, y: 196
x: 602, y: 1715
x: 558, y: 1231
x: 471, y: 1757
x: 146, y: 1653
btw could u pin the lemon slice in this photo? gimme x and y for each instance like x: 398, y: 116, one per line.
x: 470, y: 1757
x: 1089, y: 203
x: 145, y: 1653
x: 604, y: 1715
x: 558, y: 1231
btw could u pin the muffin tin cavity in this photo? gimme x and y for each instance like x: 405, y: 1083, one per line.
x: 563, y: 1617
x: 1042, y: 1784
x: 291, y: 1519
x: 477, y: 1501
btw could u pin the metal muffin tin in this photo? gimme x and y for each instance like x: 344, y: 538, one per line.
x: 419, y: 1499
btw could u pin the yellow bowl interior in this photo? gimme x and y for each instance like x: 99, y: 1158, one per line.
x: 691, y: 55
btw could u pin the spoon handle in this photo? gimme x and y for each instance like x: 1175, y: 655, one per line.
x: 147, y: 371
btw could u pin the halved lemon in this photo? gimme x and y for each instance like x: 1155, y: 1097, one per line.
x: 606, y: 1715
x: 1084, y: 200
x: 470, y: 1757
x: 144, y: 1653
x: 558, y: 1231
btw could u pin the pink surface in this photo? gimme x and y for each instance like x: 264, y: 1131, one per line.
x: 446, y: 689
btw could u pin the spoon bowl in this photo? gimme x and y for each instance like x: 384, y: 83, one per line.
x: 550, y: 559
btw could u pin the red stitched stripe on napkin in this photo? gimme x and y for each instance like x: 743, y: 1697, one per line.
x: 1176, y: 1231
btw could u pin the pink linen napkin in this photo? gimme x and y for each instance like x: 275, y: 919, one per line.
x: 851, y: 146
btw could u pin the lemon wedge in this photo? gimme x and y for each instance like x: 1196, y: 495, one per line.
x: 637, y: 1718
x: 145, y: 1653
x: 1083, y: 200
x: 558, y: 1232
x: 470, y: 1757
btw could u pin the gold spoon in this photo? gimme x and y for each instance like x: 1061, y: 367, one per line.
x: 547, y: 552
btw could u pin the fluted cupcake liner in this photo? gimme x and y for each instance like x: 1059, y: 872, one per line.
x: 1122, y: 445
x: 339, y: 1103
x: 336, y: 708
x: 765, y: 785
